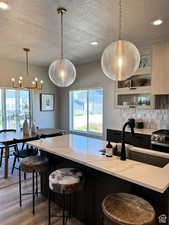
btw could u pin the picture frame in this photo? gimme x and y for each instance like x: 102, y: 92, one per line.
x: 46, y: 102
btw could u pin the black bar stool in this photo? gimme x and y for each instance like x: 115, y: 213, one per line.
x: 34, y: 165
x: 65, y: 181
x: 127, y: 209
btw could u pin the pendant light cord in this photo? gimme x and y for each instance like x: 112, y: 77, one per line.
x: 27, y: 59
x: 120, y: 19
x: 61, y: 35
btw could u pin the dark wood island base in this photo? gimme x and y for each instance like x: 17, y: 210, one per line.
x: 98, y: 185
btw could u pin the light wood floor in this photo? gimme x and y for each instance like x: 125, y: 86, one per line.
x: 12, y: 178
x: 12, y: 214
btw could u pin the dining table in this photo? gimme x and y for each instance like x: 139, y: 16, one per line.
x: 9, y: 138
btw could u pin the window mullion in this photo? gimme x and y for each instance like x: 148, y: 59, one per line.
x: 4, y: 119
x: 17, y: 96
x: 31, y: 114
x: 72, y: 112
x: 87, y: 110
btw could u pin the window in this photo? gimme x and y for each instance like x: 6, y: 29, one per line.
x: 86, y: 110
x: 14, y: 108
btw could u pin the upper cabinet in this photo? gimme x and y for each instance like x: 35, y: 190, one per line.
x: 160, y: 69
x: 135, y: 92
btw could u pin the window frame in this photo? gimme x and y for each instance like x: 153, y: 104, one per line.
x: 87, y: 132
x: 17, y: 97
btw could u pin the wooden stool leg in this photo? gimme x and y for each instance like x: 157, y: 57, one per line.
x: 63, y: 219
x: 70, y: 206
x: 6, y: 162
x: 20, y: 190
x: 33, y: 192
x: 36, y: 184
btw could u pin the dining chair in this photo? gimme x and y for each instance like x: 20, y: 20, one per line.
x: 24, y: 151
x: 2, y: 146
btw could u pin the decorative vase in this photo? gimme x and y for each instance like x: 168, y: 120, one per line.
x: 33, y: 130
x: 25, y: 128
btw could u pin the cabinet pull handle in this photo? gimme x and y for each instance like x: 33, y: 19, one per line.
x: 132, y: 88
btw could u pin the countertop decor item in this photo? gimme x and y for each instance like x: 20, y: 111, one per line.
x: 33, y: 129
x: 25, y: 128
x: 62, y: 72
x: 46, y: 102
x: 121, y: 58
x: 109, y: 149
x: 19, y: 82
x: 139, y: 124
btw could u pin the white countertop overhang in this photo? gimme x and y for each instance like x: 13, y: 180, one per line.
x: 86, y: 151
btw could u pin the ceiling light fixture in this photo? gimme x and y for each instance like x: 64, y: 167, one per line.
x: 19, y: 82
x: 94, y: 43
x: 121, y: 58
x: 62, y: 72
x: 4, y: 5
x: 157, y: 22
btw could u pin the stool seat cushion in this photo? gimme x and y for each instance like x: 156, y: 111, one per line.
x: 34, y: 164
x: 66, y: 180
x: 124, y: 208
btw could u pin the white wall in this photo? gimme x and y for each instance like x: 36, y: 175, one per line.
x: 9, y: 69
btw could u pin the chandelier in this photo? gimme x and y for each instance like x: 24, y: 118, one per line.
x: 19, y: 82
x: 121, y: 58
x: 62, y: 72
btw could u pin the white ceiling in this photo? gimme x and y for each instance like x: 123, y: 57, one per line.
x: 36, y: 24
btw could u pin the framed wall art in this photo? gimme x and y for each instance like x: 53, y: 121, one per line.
x: 46, y: 102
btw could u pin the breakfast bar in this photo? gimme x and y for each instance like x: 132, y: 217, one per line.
x: 104, y: 175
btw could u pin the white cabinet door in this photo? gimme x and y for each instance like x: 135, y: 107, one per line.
x: 160, y: 69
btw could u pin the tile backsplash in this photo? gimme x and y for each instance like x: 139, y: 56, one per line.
x: 153, y: 119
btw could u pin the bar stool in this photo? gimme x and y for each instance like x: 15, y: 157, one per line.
x: 127, y: 209
x: 65, y: 181
x: 34, y: 165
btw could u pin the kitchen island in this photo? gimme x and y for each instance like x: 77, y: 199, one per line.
x: 104, y: 175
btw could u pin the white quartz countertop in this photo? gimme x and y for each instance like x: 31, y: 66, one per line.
x: 86, y: 150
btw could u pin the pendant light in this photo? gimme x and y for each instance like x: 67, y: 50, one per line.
x: 62, y: 71
x: 4, y: 5
x: 121, y: 58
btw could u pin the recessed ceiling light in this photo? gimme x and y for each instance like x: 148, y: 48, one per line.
x: 157, y: 22
x: 4, y: 5
x: 94, y: 43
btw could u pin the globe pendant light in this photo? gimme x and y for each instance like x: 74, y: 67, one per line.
x: 62, y: 71
x: 121, y: 58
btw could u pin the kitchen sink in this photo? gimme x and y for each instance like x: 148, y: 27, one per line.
x: 154, y: 160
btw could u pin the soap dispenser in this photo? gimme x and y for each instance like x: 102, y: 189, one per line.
x: 109, y: 149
